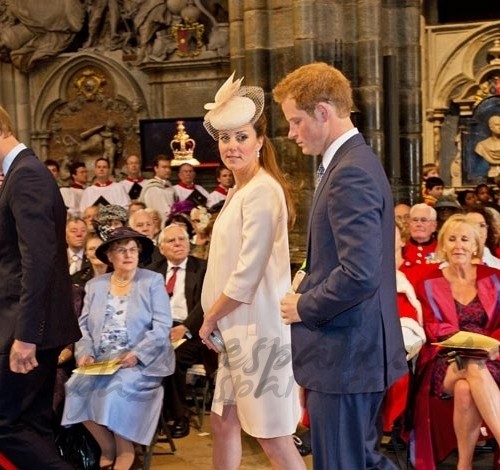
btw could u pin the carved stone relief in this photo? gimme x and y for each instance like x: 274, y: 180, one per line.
x: 93, y: 122
x: 463, y: 75
x: 144, y: 30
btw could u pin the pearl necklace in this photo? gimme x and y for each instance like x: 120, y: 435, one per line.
x: 120, y: 282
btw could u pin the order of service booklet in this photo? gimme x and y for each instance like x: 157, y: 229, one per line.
x: 473, y: 344
x: 99, y: 368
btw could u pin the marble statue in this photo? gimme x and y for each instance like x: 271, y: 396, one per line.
x: 489, y: 148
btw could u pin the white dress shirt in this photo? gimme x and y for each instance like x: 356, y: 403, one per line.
x: 178, y: 303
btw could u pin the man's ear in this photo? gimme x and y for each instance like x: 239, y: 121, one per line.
x: 321, y: 112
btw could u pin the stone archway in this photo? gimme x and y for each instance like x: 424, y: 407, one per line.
x: 88, y: 106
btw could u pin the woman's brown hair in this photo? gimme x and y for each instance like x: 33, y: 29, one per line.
x: 269, y: 162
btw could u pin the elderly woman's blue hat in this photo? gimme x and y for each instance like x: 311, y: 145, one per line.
x: 125, y: 233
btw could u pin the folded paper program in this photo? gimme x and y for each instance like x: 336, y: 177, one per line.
x: 471, y: 344
x: 99, y: 368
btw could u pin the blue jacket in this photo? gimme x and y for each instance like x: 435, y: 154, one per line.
x: 148, y: 321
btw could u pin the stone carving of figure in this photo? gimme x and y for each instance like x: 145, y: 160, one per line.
x: 98, y: 11
x: 219, y: 39
x: 149, y: 18
x: 489, y: 148
x: 40, y: 29
x: 101, y: 141
x: 69, y: 157
x: 456, y: 164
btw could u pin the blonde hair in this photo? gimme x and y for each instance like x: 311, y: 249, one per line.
x: 315, y: 83
x: 428, y: 167
x: 404, y: 233
x: 452, y: 222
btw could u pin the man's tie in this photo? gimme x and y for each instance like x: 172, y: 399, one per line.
x: 73, y: 266
x: 319, y: 174
x: 171, y: 281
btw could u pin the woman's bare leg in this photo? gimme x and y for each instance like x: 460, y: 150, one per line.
x: 125, y: 453
x: 226, y: 429
x: 486, y: 395
x: 282, y: 453
x: 106, y: 442
x: 467, y: 424
x: 483, y: 399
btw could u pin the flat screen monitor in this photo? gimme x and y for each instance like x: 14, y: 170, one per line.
x: 156, y: 135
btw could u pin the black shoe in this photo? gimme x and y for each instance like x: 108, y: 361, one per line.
x: 303, y: 443
x: 180, y: 428
x: 395, y: 445
x: 485, y: 446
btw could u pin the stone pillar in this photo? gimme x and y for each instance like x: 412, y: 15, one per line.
x: 370, y: 73
x: 41, y: 142
x: 15, y: 98
x: 401, y: 38
x: 237, y: 36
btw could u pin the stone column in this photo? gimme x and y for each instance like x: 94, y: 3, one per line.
x: 370, y: 73
x: 15, y: 98
x: 401, y: 38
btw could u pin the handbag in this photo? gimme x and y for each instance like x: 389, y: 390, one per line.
x: 77, y: 447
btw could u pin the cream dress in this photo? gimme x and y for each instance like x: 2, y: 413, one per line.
x: 249, y: 262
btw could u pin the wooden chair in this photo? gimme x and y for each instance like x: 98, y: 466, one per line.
x: 162, y: 434
x: 198, y: 391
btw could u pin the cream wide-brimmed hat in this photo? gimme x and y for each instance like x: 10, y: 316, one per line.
x: 234, y: 106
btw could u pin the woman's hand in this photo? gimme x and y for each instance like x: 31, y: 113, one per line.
x: 205, y: 331
x: 128, y: 360
x: 223, y: 306
x: 494, y: 355
x: 85, y: 361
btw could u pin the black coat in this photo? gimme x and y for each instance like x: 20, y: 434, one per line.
x: 195, y: 273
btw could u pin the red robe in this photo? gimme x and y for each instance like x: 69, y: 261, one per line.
x: 433, y: 417
x: 396, y: 397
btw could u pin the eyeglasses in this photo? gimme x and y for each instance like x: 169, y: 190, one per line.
x: 122, y: 251
x: 424, y: 220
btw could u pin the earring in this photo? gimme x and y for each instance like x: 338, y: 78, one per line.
x: 258, y: 153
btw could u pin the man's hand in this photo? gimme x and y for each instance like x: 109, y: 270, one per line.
x: 22, y: 357
x: 289, y: 313
x: 177, y: 333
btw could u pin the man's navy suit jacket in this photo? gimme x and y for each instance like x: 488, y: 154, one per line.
x: 36, y: 294
x: 349, y: 340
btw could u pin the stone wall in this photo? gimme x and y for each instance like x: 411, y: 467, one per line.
x: 74, y: 84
